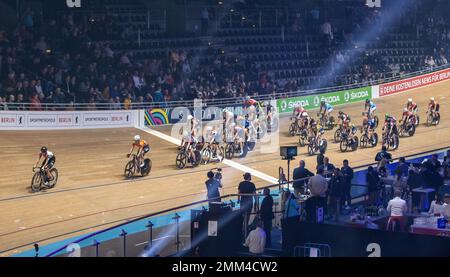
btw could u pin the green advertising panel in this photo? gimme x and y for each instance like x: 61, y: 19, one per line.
x: 334, y: 98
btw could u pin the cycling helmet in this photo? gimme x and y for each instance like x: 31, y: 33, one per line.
x: 431, y: 98
x: 322, y: 102
x: 304, y: 114
x: 387, y: 116
x: 367, y: 101
x: 213, y: 132
x: 137, y: 137
x: 405, y: 110
x: 247, y: 98
x: 341, y: 112
x: 43, y: 149
x: 321, y: 130
x: 409, y: 100
x: 190, y: 117
x: 232, y: 125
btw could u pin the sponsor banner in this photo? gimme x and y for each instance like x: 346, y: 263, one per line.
x: 109, y: 119
x: 334, y: 98
x: 12, y: 120
x: 61, y: 120
x: 415, y: 82
x: 375, y: 92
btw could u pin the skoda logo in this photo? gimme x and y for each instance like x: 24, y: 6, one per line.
x: 347, y: 96
x: 316, y: 101
x: 283, y: 105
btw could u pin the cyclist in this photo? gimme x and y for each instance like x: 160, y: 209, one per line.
x: 325, y: 109
x: 370, y: 105
x: 142, y: 148
x: 368, y: 125
x: 48, y: 162
x: 413, y: 108
x: 312, y: 127
x: 389, y: 125
x: 248, y: 101
x: 433, y: 107
x: 228, y: 119
x: 345, y: 119
x: 239, y: 136
x: 318, y: 136
x: 304, y: 120
x: 408, y: 116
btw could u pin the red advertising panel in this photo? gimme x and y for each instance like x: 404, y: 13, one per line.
x: 415, y: 82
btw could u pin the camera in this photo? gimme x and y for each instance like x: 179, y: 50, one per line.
x: 217, y: 173
x: 288, y: 152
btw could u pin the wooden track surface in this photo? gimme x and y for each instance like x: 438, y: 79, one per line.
x: 92, y: 194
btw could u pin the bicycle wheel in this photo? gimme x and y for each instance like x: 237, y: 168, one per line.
x: 412, y: 130
x: 311, y: 148
x: 129, y: 169
x: 343, y: 145
x: 355, y: 143
x: 36, y: 182
x: 229, y: 151
x: 54, y: 173
x: 302, y: 139
x: 181, y: 160
x: 429, y: 120
x: 206, y: 155
x: 145, y: 170
x: 363, y: 141
x: 292, y: 129
x: 376, y: 120
x: 198, y: 158
x: 374, y: 139
x: 337, y: 135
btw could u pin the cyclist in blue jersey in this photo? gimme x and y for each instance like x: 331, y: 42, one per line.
x: 370, y: 105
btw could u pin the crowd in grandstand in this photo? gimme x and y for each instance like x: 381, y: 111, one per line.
x: 71, y: 60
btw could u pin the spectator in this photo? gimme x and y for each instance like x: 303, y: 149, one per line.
x: 399, y: 183
x: 267, y: 215
x: 327, y: 167
x: 256, y: 240
x: 347, y: 174
x: 35, y: 104
x: 301, y: 173
x: 212, y: 187
x: 320, y: 158
x: 446, y: 206
x: 397, y: 209
x: 403, y: 167
x: 435, y: 163
x: 246, y: 201
x: 446, y: 158
x: 436, y: 206
x: 373, y: 185
x: 383, y: 158
x: 318, y: 186
x: 336, y: 192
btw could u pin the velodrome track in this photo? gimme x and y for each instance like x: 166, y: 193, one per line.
x: 92, y: 194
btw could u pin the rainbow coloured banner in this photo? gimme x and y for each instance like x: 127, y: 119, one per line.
x: 156, y: 117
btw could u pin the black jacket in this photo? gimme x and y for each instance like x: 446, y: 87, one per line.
x: 299, y: 173
x: 336, y: 186
x: 266, y: 210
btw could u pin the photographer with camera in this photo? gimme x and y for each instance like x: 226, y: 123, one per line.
x: 213, y: 184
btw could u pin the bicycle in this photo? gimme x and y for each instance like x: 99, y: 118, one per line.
x: 433, y: 118
x: 293, y: 127
x: 326, y: 122
x: 232, y: 148
x: 368, y: 138
x: 407, y: 128
x: 40, y: 178
x: 208, y: 154
x: 313, y: 147
x: 348, y: 142
x: 132, y: 167
x: 184, y: 157
x: 303, y: 137
x: 391, y: 141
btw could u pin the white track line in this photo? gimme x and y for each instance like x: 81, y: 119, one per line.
x: 230, y: 163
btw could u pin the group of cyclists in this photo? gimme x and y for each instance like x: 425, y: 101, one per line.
x: 304, y: 121
x: 241, y: 129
